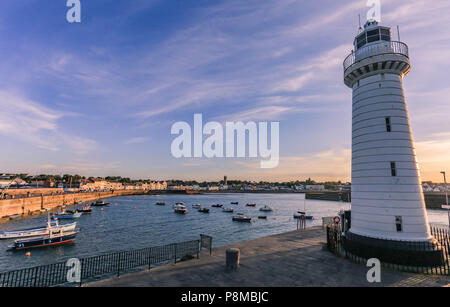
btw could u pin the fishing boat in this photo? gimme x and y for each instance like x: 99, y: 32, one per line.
x: 161, y: 203
x: 196, y: 206
x: 266, y: 208
x: 240, y: 217
x: 100, y: 203
x: 251, y: 205
x: 180, y: 208
x: 235, y: 203
x: 228, y: 210
x: 217, y: 206
x: 55, y: 237
x: 203, y: 210
x: 39, y: 231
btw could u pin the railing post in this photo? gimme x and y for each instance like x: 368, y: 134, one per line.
x: 198, y: 249
x: 81, y: 271
x: 118, y: 265
x: 150, y: 258
x: 176, y: 247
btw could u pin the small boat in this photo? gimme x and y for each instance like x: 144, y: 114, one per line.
x: 266, y: 209
x: 55, y: 237
x: 241, y: 218
x: 251, y: 205
x: 14, y: 217
x: 217, y: 206
x: 196, y: 206
x: 228, y: 210
x: 161, y: 203
x: 262, y: 217
x: 100, y: 203
x: 299, y: 214
x: 84, y: 209
x: 203, y: 210
x: 235, y: 203
x: 180, y: 208
x: 39, y: 231
x: 66, y: 214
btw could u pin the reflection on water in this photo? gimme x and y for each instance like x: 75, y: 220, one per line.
x: 121, y: 227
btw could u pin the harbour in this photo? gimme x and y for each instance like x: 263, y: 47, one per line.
x: 132, y: 222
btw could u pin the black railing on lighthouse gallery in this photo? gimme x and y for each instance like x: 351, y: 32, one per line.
x: 91, y: 268
x: 440, y: 248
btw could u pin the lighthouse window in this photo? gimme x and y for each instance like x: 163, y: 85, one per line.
x: 373, y: 36
x: 386, y: 35
x: 398, y: 223
x: 361, y: 40
x: 393, y: 169
x: 388, y: 124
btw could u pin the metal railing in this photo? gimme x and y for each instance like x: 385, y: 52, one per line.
x: 375, y: 49
x: 391, y: 258
x: 56, y: 274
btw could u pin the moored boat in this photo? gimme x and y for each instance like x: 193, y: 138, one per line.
x: 299, y: 214
x: 84, y: 209
x: 251, y: 205
x: 55, y: 237
x: 66, y: 215
x: 197, y: 206
x: 228, y: 210
x: 203, y: 210
x: 266, y: 208
x: 100, y: 203
x: 241, y: 218
x: 39, y: 231
x: 180, y: 208
x: 262, y: 217
x: 217, y: 206
x: 235, y: 203
x: 161, y: 203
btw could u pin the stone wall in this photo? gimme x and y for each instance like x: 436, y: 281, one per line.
x: 30, y: 205
x: 24, y: 192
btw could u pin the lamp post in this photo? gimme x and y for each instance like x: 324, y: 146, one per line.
x: 446, y: 197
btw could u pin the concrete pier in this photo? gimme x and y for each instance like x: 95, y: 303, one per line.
x: 296, y: 258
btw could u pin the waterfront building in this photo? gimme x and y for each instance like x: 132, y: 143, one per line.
x: 387, y: 198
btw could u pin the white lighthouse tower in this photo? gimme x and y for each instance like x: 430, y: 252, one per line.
x: 387, y: 197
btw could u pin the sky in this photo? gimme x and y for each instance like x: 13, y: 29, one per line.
x: 99, y: 97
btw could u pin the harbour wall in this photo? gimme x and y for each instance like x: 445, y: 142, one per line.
x: 39, y: 204
x: 433, y: 200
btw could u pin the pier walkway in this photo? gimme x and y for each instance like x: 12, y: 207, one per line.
x: 296, y: 258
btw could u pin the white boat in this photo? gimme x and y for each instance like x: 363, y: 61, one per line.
x: 180, y: 208
x: 196, y: 206
x: 266, y: 208
x: 36, y: 232
x: 228, y: 210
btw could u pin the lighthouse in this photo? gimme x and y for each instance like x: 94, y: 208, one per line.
x: 388, y: 208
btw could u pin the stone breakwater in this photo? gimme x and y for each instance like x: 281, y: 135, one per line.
x: 40, y: 204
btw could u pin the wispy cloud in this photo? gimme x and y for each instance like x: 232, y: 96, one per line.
x: 36, y: 124
x: 137, y: 140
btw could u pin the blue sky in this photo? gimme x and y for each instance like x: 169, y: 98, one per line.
x: 99, y: 97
